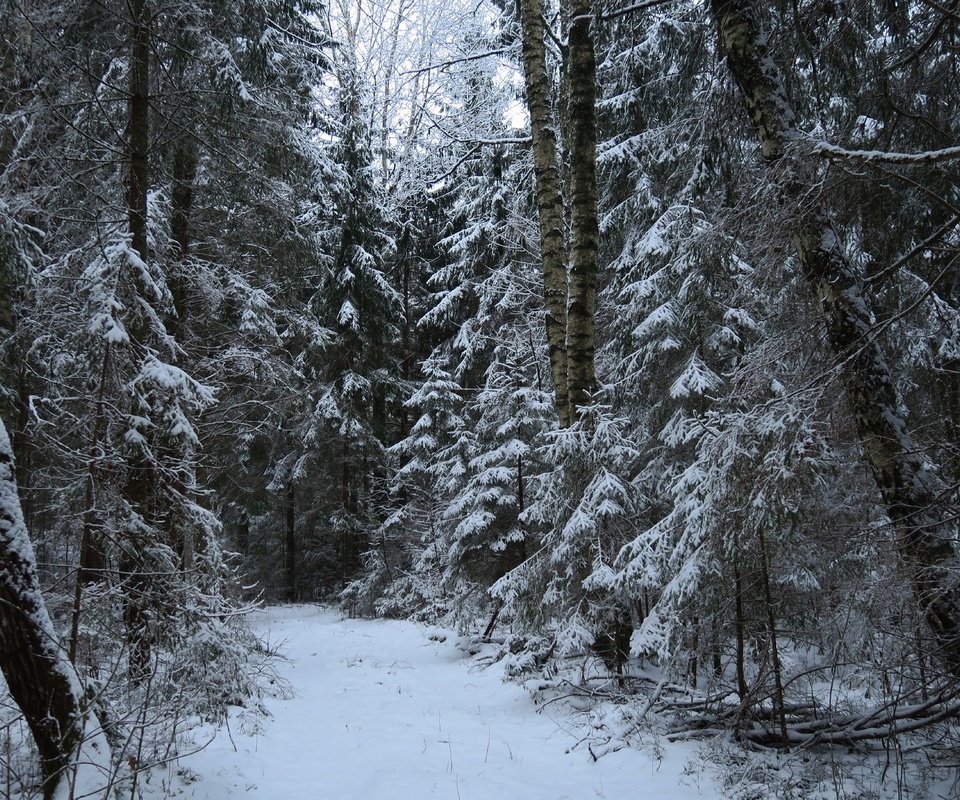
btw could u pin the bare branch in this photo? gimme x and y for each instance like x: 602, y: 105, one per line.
x: 622, y: 12
x: 463, y: 60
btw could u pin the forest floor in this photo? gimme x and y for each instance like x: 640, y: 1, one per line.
x: 384, y: 709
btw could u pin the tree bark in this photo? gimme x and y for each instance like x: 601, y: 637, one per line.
x: 93, y: 560
x: 549, y: 197
x: 910, y: 493
x: 181, y: 196
x: 584, y: 225
x: 779, y: 708
x: 180, y: 531
x: 137, y: 601
x: 740, y: 625
x: 184, y: 173
x: 291, y: 543
x: 41, y: 681
x: 243, y: 533
x: 138, y: 490
x: 138, y: 142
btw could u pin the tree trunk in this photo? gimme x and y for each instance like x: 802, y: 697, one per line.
x: 93, y: 560
x: 584, y: 226
x: 549, y: 196
x: 406, y: 351
x: 243, y: 533
x: 291, y: 543
x: 740, y: 625
x: 139, y: 485
x: 135, y: 573
x: 346, y: 537
x: 138, y: 142
x: 41, y: 681
x: 180, y: 531
x: 910, y: 493
x: 184, y: 172
x: 181, y: 208
x: 181, y: 195
x: 779, y: 707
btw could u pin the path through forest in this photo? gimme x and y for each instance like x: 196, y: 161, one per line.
x: 380, y: 710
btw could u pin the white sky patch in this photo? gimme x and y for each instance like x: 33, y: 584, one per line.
x: 421, y: 62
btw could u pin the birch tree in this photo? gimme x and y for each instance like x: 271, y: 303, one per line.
x: 569, y: 263
x: 911, y: 492
x: 549, y: 196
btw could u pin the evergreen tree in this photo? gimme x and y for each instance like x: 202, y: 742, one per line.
x: 356, y: 301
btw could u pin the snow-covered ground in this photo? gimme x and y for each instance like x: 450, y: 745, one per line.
x: 381, y: 710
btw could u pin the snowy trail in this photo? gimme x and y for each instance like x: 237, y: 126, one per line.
x: 381, y: 711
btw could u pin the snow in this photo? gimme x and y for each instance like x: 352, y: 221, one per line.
x: 928, y: 156
x: 91, y: 766
x: 386, y: 709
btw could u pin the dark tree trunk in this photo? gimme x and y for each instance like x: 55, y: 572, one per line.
x: 139, y: 485
x: 351, y: 539
x: 181, y: 208
x: 346, y: 538
x: 291, y: 543
x: 549, y: 196
x: 243, y: 533
x: 584, y: 226
x: 138, y: 141
x: 41, y: 681
x: 910, y: 493
x: 179, y: 530
x: 92, y: 557
x: 135, y: 573
x: 406, y: 350
x: 181, y: 196
x: 779, y: 707
x: 740, y: 624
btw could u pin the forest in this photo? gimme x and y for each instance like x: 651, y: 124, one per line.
x: 622, y: 338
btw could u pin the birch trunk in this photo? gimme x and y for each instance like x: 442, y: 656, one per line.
x: 910, y: 493
x: 549, y: 197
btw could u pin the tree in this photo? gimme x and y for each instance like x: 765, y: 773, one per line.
x: 569, y: 267
x: 549, y: 196
x: 40, y: 678
x: 180, y: 247
x: 911, y: 493
x: 405, y: 564
x: 581, y: 83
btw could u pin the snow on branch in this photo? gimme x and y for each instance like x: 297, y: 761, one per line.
x: 634, y: 7
x: 473, y: 140
x: 831, y: 151
x: 462, y: 60
x: 643, y: 5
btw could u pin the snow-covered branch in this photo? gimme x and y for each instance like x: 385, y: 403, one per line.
x: 831, y: 151
x: 462, y: 60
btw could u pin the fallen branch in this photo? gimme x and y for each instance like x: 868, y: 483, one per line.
x: 884, y: 722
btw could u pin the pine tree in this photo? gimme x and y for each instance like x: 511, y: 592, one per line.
x: 357, y: 302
